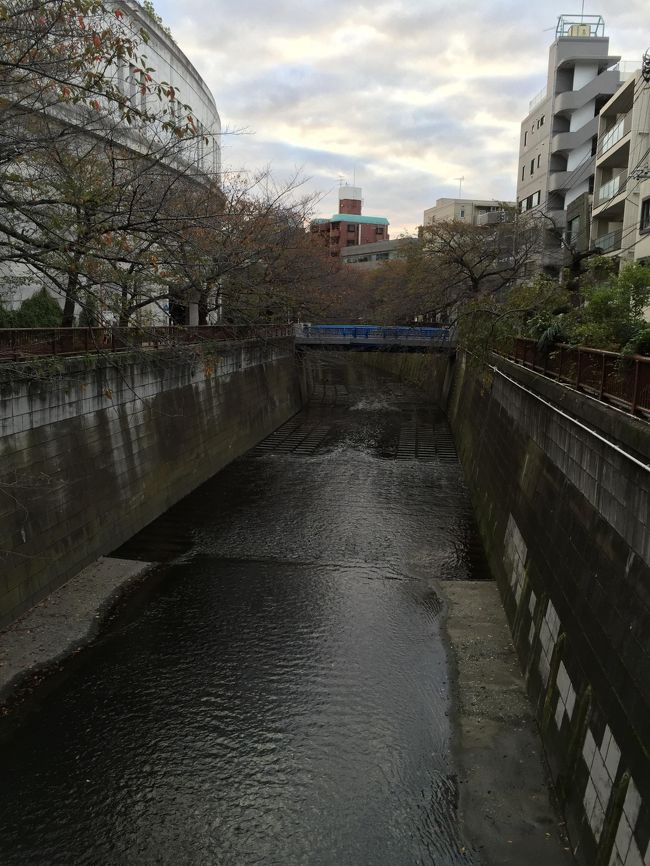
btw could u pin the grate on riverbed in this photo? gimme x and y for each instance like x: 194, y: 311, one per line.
x: 331, y: 394
x: 445, y: 447
x: 294, y: 437
x: 426, y: 443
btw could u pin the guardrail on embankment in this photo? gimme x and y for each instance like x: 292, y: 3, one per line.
x: 18, y: 344
x: 623, y: 381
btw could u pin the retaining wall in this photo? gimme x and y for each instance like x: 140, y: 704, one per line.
x: 427, y: 371
x: 564, y: 518
x: 94, y: 448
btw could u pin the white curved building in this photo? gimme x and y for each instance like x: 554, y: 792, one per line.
x: 196, y: 154
x: 172, y: 66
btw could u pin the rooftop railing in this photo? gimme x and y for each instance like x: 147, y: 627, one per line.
x: 537, y: 99
x: 626, y: 68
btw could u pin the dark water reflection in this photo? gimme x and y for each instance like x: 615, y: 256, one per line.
x: 282, y: 697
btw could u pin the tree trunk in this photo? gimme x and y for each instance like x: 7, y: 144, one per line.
x: 70, y: 299
x: 203, y: 309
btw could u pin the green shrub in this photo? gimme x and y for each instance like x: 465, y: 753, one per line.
x: 7, y: 317
x: 39, y: 311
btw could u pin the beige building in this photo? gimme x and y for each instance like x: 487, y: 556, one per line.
x: 620, y: 223
x: 557, y: 145
x: 368, y: 256
x: 469, y: 210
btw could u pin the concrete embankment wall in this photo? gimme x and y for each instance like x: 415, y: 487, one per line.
x: 564, y: 518
x: 427, y: 371
x: 94, y: 448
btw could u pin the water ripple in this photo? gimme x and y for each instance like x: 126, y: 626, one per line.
x: 282, y: 698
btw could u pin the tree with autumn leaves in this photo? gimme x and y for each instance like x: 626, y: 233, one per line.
x: 79, y: 158
x: 122, y: 228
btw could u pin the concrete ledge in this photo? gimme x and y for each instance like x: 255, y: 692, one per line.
x: 503, y: 779
x: 64, y: 620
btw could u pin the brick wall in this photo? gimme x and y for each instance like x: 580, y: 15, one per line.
x: 93, y: 449
x: 564, y: 518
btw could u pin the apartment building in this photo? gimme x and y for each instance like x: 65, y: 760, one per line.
x: 469, y: 210
x: 349, y: 227
x: 621, y: 207
x: 557, y: 144
x: 368, y: 256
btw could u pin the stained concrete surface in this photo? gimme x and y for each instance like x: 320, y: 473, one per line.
x: 67, y: 618
x: 505, y: 807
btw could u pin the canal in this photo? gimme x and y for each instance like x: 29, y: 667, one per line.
x: 278, y: 691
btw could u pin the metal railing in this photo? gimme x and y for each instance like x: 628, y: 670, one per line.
x: 537, y: 99
x: 372, y: 335
x: 609, y: 242
x: 626, y: 68
x: 24, y: 343
x: 622, y: 381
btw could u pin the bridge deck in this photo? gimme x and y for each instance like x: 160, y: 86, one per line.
x: 375, y: 336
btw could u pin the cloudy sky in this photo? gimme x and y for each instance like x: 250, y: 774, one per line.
x: 406, y: 96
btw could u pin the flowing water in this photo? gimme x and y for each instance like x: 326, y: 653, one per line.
x: 279, y: 691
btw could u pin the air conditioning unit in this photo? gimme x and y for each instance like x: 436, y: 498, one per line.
x: 580, y: 31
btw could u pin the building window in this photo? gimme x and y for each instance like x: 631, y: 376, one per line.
x: 532, y: 166
x: 462, y: 213
x: 573, y: 231
x: 539, y: 159
x: 525, y: 137
x: 351, y: 228
x: 379, y: 230
x: 537, y: 197
x: 523, y: 171
x: 541, y: 120
x: 351, y: 243
x: 645, y: 216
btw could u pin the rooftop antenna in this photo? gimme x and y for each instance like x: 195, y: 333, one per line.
x: 460, y: 185
x: 582, y: 12
x: 341, y: 179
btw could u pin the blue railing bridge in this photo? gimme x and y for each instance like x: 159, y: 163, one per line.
x: 373, y: 337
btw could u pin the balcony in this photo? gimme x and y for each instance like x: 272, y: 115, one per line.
x: 605, y: 84
x: 565, y: 141
x: 493, y: 217
x: 615, y: 134
x: 609, y: 243
x: 563, y: 180
x: 611, y: 189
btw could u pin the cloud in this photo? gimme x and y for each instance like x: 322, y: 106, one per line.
x: 405, y: 96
